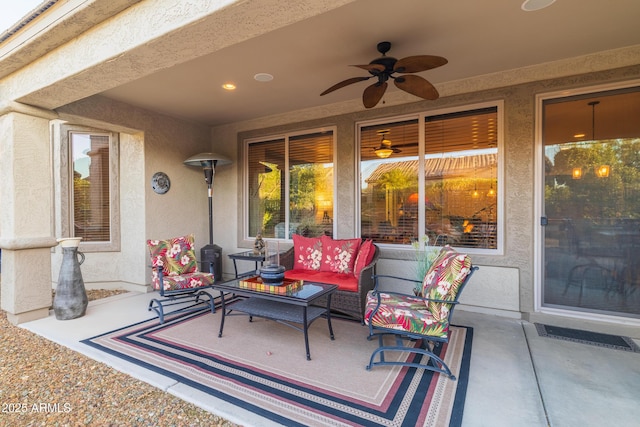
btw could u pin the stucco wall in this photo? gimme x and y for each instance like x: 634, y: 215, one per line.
x: 149, y: 143
x: 508, y: 278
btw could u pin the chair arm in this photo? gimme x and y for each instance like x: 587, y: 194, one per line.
x: 366, y: 277
x: 287, y: 259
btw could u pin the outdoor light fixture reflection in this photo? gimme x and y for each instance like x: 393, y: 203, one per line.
x: 208, y: 163
x: 385, y: 149
x: 603, y: 171
x: 576, y: 173
x: 383, y: 153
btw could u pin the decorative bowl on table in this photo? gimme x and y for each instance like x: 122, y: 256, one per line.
x: 272, y: 274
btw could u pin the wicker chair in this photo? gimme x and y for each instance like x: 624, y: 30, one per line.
x: 347, y: 303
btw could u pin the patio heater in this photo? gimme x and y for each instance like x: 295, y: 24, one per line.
x: 211, y: 254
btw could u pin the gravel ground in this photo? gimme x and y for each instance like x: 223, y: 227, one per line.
x: 45, y: 384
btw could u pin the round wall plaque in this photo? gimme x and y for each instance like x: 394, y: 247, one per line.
x: 160, y: 182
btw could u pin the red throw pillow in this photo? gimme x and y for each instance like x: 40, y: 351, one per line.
x: 339, y: 255
x: 307, y: 252
x: 365, y: 255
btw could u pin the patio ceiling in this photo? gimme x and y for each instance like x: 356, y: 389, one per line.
x: 477, y: 37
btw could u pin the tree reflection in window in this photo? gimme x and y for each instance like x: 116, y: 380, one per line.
x: 457, y: 204
x: 290, y: 185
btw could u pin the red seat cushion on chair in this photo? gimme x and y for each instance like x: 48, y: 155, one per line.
x: 345, y: 281
x: 339, y: 255
x: 183, y: 281
x: 307, y: 252
x: 404, y: 313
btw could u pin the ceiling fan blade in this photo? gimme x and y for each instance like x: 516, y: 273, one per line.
x: 373, y: 94
x: 417, y: 86
x: 415, y: 64
x: 372, y: 68
x: 345, y: 83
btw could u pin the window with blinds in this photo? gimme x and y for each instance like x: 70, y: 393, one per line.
x: 90, y: 162
x: 290, y: 185
x: 433, y: 178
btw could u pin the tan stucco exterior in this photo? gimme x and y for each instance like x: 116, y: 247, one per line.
x: 58, y: 79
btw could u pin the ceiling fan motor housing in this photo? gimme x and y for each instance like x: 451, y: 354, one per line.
x: 387, y: 62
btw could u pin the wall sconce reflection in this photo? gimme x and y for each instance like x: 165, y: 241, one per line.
x: 602, y: 171
x: 576, y: 173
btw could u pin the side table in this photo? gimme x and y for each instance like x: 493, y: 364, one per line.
x: 246, y: 256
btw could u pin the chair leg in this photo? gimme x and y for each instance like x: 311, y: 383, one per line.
x: 433, y: 362
x: 199, y: 298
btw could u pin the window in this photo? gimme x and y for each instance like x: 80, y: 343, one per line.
x: 89, y: 187
x: 431, y: 177
x: 90, y: 166
x: 290, y: 185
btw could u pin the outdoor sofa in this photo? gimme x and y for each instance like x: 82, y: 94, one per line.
x: 348, y: 263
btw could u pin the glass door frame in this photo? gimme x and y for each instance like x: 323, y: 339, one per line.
x: 539, y: 194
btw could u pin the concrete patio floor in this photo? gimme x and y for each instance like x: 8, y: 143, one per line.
x: 517, y: 378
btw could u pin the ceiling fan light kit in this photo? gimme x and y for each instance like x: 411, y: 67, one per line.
x: 385, y: 149
x: 384, y: 69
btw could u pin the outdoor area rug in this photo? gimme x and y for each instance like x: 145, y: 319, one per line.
x: 586, y: 337
x: 257, y: 372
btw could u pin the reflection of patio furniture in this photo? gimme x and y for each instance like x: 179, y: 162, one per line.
x: 612, y: 251
x: 424, y: 317
x: 279, y: 229
x: 386, y: 231
x: 589, y: 275
x: 176, y: 277
x: 477, y: 233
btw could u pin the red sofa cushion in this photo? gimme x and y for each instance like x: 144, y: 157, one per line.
x: 339, y: 255
x: 364, y: 257
x: 307, y: 252
x: 345, y: 281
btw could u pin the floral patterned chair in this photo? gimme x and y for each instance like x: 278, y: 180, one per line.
x: 424, y: 317
x: 176, y: 277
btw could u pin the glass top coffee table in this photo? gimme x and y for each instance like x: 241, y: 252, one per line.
x: 289, y: 308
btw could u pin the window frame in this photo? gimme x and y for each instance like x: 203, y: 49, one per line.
x: 286, y: 136
x: 66, y: 187
x: 421, y: 117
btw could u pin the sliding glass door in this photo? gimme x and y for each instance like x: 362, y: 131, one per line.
x: 591, y: 206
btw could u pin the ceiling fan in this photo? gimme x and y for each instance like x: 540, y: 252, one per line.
x: 385, y: 67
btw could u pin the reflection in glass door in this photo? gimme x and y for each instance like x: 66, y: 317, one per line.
x: 591, y: 210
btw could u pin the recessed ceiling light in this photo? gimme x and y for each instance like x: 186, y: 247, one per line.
x: 532, y: 5
x: 229, y: 86
x: 263, y: 77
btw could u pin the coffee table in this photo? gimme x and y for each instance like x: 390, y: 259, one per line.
x: 290, y: 310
